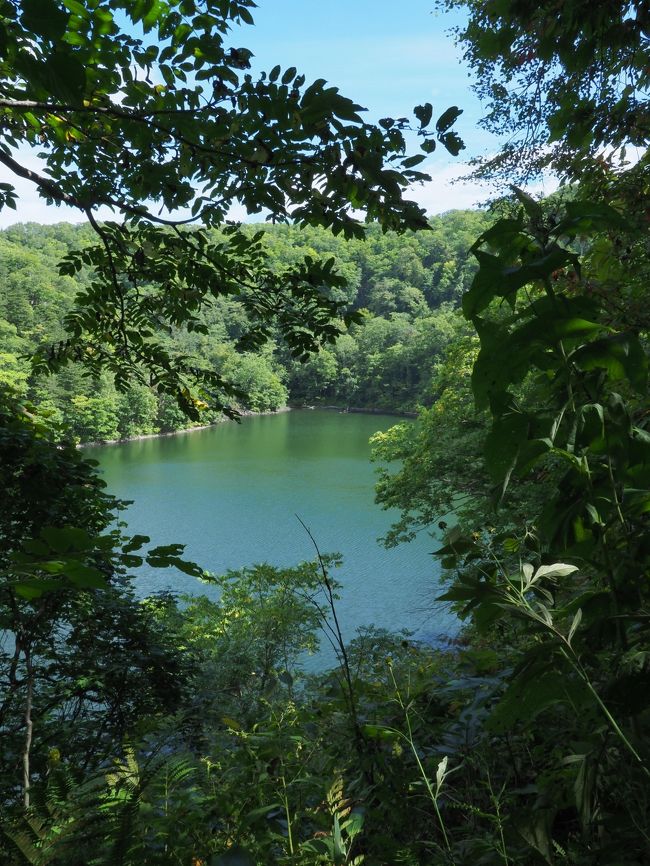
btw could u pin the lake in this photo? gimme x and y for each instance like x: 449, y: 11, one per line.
x: 231, y: 493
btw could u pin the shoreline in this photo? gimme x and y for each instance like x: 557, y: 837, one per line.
x: 363, y: 410
x: 245, y: 413
x: 248, y: 413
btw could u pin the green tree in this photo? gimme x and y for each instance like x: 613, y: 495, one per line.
x: 562, y: 87
x: 136, y: 107
x: 81, y: 661
x: 560, y: 386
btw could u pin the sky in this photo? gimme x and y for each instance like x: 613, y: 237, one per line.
x: 386, y: 56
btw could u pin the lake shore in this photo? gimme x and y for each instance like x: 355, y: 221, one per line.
x: 248, y: 413
x: 245, y: 413
x: 362, y: 410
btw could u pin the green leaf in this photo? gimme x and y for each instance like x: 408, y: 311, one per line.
x: 135, y: 543
x: 523, y: 700
x: 66, y: 539
x: 582, y: 216
x: 84, y: 576
x: 532, y: 208
x: 262, y: 812
x: 65, y: 77
x: 621, y: 355
x: 31, y: 589
x: 574, y: 625
x: 380, y: 732
x: 45, y: 18
x: 503, y: 443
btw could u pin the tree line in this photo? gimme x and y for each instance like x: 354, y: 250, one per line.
x: 405, y: 288
x: 169, y: 730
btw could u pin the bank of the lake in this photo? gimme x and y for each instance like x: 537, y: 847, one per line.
x: 232, y: 492
x: 161, y: 434
x: 247, y: 413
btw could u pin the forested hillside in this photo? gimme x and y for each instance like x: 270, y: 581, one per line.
x: 183, y: 731
x: 406, y: 288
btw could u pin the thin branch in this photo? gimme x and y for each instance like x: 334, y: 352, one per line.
x: 53, y: 108
x: 49, y: 186
x: 52, y: 189
x: 29, y: 726
x: 358, y: 733
x: 142, y: 117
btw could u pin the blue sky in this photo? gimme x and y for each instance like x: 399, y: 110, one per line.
x: 386, y: 61
x: 386, y: 56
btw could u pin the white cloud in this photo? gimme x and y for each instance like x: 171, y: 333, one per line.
x: 448, y: 191
x: 30, y: 206
x: 445, y: 191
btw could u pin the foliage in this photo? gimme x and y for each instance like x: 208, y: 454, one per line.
x: 146, y: 109
x: 382, y: 362
x: 82, y: 662
x: 559, y: 597
x: 584, y: 632
x: 566, y: 89
x: 526, y: 741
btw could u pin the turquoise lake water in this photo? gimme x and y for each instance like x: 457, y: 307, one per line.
x: 231, y: 494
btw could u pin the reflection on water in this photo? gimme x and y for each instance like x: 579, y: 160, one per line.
x: 231, y: 494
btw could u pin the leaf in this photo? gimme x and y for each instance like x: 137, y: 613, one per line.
x: 62, y: 540
x: 558, y: 569
x: 523, y: 701
x: 532, y: 208
x: 65, y: 77
x: 423, y: 113
x: 30, y: 589
x: 135, y: 543
x: 448, y: 118
x: 574, y: 625
x: 289, y: 75
x: 412, y: 161
x: 441, y: 772
x: 527, y: 570
x: 582, y: 216
x: 84, y: 576
x: 262, y: 812
x: 45, y: 18
x: 380, y: 732
x: 503, y: 443
x: 452, y: 142
x: 621, y: 355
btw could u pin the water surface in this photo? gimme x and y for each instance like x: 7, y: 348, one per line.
x: 231, y: 493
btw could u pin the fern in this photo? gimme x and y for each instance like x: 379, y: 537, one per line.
x: 98, y: 822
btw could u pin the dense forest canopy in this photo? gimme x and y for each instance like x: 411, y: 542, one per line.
x: 404, y: 287
x: 172, y: 730
x: 148, y: 110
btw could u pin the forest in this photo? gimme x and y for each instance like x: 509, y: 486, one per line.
x: 406, y: 290
x: 182, y: 730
